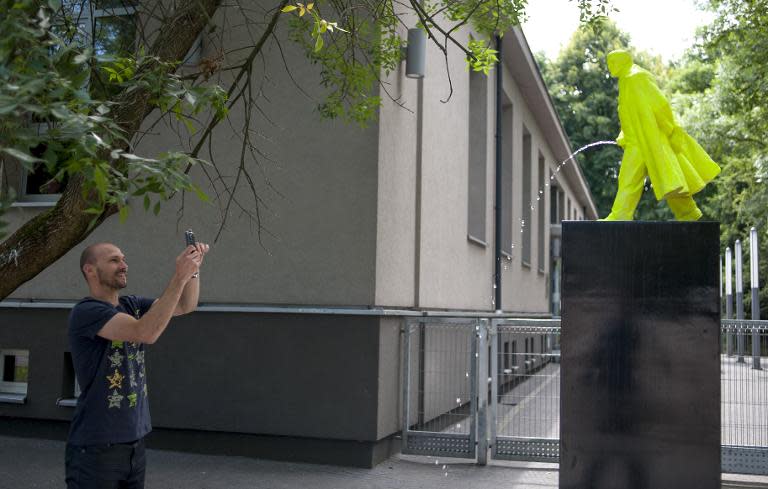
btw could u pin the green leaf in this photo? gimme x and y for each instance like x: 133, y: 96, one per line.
x: 156, y: 209
x: 289, y: 8
x: 82, y: 57
x: 319, y: 43
x: 100, y: 179
x: 147, y: 202
x: 20, y: 155
x: 200, y: 194
x: 123, y: 214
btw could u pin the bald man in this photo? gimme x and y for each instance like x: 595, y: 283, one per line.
x: 107, y: 334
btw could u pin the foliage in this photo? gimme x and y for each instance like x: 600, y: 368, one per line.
x: 586, y: 99
x: 720, y: 94
x: 53, y: 116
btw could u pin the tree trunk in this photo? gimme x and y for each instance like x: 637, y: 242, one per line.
x: 42, y: 240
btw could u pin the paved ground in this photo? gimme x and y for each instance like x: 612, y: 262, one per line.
x: 34, y: 463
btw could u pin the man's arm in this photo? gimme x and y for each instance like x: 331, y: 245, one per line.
x: 189, y: 297
x: 191, y: 292
x: 147, y: 329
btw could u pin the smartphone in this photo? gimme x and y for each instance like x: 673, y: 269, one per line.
x: 190, y: 237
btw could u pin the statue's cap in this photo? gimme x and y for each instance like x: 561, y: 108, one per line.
x: 619, y: 62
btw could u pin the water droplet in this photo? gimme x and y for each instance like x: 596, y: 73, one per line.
x: 557, y: 170
x: 531, y: 206
x: 551, y: 177
x: 466, y: 374
x: 509, y: 257
x: 444, y: 465
x: 538, y: 199
x: 446, y: 474
x: 522, y: 222
x: 541, y: 191
x: 437, y: 462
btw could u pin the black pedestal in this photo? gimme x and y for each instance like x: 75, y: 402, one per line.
x: 640, y: 374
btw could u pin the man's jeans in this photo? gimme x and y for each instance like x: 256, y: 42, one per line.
x: 113, y: 466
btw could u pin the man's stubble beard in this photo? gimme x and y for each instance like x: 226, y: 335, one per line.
x: 112, y: 282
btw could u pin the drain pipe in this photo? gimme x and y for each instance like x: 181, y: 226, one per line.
x: 497, y: 203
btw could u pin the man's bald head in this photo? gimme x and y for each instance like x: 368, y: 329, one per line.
x: 90, y: 255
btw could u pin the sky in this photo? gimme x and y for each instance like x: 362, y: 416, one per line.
x: 663, y: 27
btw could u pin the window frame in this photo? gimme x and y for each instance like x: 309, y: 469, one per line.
x: 17, y: 388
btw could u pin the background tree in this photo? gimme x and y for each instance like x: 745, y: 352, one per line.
x: 91, y: 90
x: 586, y: 99
x: 720, y: 92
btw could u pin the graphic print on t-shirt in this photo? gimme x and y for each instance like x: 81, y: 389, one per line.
x: 126, y: 360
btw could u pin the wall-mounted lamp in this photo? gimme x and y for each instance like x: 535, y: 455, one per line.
x: 415, y: 53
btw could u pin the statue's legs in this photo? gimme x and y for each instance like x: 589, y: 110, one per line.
x: 684, y: 208
x: 631, y: 181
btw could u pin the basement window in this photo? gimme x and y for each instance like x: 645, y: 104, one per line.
x: 14, y: 375
x: 70, y: 389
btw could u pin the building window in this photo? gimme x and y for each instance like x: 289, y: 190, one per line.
x: 478, y: 156
x: 38, y: 184
x: 14, y: 376
x: 541, y: 210
x: 70, y: 386
x: 527, y: 202
x: 553, y: 202
x: 109, y: 27
x: 513, y: 354
x: 506, y: 178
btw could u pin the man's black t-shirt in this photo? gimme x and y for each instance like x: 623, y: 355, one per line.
x: 112, y: 407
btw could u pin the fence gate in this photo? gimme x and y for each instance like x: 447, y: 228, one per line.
x: 525, y: 390
x: 440, y: 386
x: 744, y: 396
x: 470, y: 384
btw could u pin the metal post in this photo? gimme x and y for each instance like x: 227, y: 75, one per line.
x: 473, y: 387
x: 406, y: 382
x: 728, y: 299
x: 739, y: 302
x: 754, y: 285
x: 482, y: 390
x: 720, y: 267
x: 493, y: 404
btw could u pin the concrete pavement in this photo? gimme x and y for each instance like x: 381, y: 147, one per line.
x: 37, y: 463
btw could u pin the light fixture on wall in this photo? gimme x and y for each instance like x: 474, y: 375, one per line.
x: 415, y: 53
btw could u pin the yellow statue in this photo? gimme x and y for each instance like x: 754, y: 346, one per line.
x: 654, y: 145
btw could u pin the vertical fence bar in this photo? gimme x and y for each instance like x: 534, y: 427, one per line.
x: 482, y: 398
x: 728, y: 299
x: 473, y: 390
x: 495, y: 338
x: 740, y: 337
x: 755, y: 288
x: 406, y: 382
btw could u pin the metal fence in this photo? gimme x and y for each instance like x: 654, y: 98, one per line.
x: 475, y: 384
x: 525, y: 384
x: 744, y: 396
x: 440, y: 386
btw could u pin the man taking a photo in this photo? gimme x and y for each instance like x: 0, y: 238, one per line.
x: 107, y: 334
